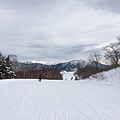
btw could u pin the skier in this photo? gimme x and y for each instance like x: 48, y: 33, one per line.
x: 40, y: 77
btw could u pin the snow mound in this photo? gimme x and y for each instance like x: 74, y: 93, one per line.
x: 111, y: 76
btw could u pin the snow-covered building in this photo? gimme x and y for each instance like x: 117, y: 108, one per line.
x: 13, y: 57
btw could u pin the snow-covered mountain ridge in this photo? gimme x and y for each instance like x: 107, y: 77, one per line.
x: 58, y: 66
x: 55, y: 63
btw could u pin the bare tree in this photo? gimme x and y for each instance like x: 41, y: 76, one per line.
x: 112, y: 53
x: 95, y: 59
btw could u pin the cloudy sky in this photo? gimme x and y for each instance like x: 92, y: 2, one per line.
x: 57, y: 30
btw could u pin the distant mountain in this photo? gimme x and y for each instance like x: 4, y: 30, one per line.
x: 68, y: 66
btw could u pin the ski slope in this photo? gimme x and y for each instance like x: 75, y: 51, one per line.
x: 58, y: 100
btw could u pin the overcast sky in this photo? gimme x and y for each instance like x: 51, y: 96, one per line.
x: 57, y: 30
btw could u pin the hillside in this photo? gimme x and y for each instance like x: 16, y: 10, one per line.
x: 61, y: 100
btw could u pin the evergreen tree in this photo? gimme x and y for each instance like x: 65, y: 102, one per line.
x: 9, y: 67
x: 6, y: 67
x: 2, y: 65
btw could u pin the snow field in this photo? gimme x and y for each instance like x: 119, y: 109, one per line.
x: 58, y: 100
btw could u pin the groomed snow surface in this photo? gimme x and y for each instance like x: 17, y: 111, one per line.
x: 60, y: 100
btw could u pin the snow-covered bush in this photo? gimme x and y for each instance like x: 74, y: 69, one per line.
x: 99, y: 76
x: 113, y: 75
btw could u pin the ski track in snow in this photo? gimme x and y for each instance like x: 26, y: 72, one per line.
x: 58, y: 100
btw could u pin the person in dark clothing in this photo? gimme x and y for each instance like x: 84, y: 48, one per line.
x: 40, y: 77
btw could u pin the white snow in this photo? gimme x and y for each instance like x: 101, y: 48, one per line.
x: 67, y: 76
x: 60, y: 100
x: 47, y: 62
x: 112, y: 77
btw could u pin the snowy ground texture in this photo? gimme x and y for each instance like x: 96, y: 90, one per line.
x: 61, y: 100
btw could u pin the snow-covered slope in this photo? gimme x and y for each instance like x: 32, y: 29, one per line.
x: 61, y: 100
x: 113, y: 75
x: 110, y: 77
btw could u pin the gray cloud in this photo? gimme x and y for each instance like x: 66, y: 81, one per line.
x: 62, y: 53
x: 112, y: 6
x: 81, y: 48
